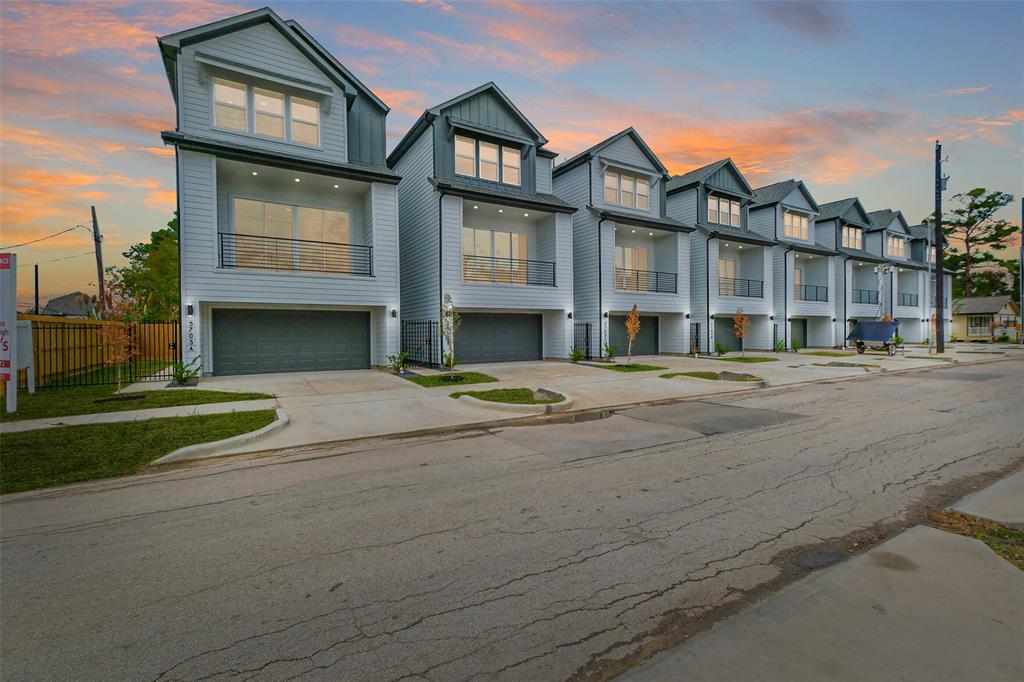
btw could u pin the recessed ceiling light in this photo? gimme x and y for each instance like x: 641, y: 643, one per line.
x: 796, y: 255
x: 634, y: 231
x: 741, y: 246
x: 255, y: 173
x: 501, y: 210
x: 651, y: 233
x: 475, y: 207
x: 526, y: 215
x: 298, y: 179
x: 335, y: 187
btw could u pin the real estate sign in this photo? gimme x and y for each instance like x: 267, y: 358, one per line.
x: 9, y: 327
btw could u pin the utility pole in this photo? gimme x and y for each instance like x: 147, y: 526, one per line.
x: 1020, y: 273
x: 37, y: 287
x: 97, y: 239
x: 940, y: 278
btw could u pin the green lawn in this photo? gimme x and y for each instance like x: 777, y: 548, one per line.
x: 710, y: 376
x: 65, y: 402
x: 516, y: 396
x: 827, y: 353
x: 435, y: 380
x: 747, y: 358
x: 71, y: 454
x: 635, y: 367
x: 929, y: 357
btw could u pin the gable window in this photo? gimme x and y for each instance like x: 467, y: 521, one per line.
x: 229, y: 104
x: 626, y: 190
x: 305, y: 121
x: 722, y: 211
x: 895, y: 246
x: 853, y: 237
x: 510, y: 165
x: 465, y: 156
x: 269, y: 113
x: 488, y: 161
x: 795, y: 226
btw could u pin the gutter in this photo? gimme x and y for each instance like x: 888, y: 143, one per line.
x: 707, y: 287
x: 785, y: 295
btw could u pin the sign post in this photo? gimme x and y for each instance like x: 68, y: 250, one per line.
x: 9, y: 327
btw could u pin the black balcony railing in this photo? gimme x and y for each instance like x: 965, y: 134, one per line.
x: 810, y: 292
x: 865, y: 296
x: 508, y: 271
x: 277, y: 253
x: 645, y: 281
x: 907, y: 300
x: 747, y: 288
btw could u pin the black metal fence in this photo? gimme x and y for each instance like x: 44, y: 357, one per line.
x: 869, y: 296
x: 907, y: 300
x: 581, y: 338
x: 645, y: 281
x: 277, y: 253
x: 421, y: 339
x: 508, y: 271
x: 695, y: 338
x: 74, y: 353
x: 811, y: 292
x: 746, y: 288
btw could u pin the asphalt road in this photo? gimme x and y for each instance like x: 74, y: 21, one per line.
x: 527, y: 553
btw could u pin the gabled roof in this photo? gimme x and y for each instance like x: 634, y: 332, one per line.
x: 982, y: 304
x: 428, y: 116
x: 880, y: 220
x: 539, y: 201
x: 69, y: 305
x: 702, y: 174
x: 652, y: 222
x: 769, y: 195
x: 839, y: 209
x: 590, y: 153
x: 735, y: 234
x: 921, y: 233
x: 171, y: 44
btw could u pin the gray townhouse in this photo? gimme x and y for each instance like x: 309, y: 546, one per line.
x: 479, y: 222
x: 803, y: 270
x: 922, y: 252
x: 730, y: 264
x: 626, y: 251
x: 842, y: 226
x: 904, y: 281
x: 288, y: 211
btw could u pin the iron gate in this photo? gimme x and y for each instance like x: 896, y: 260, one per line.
x: 581, y: 339
x: 421, y: 339
x: 694, y: 338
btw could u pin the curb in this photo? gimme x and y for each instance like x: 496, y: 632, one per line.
x: 548, y: 408
x: 201, y: 450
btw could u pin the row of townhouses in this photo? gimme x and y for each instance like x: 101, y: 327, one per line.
x: 304, y: 246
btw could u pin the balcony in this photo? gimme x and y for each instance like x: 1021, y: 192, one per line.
x: 493, y: 270
x: 909, y: 300
x: 810, y: 292
x: 277, y: 253
x: 869, y: 296
x: 745, y: 288
x: 647, y: 281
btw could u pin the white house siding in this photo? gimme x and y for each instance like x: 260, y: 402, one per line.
x: 420, y: 231
x: 264, y: 46
x: 573, y: 188
x: 682, y: 206
x: 825, y: 234
x: 762, y: 221
x: 469, y: 296
x: 204, y: 286
x: 699, y: 264
x: 757, y: 309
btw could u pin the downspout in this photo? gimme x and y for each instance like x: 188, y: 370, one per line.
x: 785, y: 297
x: 846, y: 287
x: 600, y: 261
x: 707, y: 281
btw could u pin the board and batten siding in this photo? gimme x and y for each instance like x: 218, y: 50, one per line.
x: 264, y: 46
x: 204, y: 285
x: 419, y: 232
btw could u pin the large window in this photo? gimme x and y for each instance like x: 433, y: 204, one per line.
x: 626, y: 190
x: 494, y: 256
x: 628, y: 261
x: 480, y: 159
x: 274, y: 114
x: 726, y: 268
x: 853, y: 237
x: 283, y: 224
x: 896, y: 246
x: 722, y: 211
x: 795, y: 226
x: 229, y: 105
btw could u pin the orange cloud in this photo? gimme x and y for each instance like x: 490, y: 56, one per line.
x: 162, y: 199
x: 409, y: 102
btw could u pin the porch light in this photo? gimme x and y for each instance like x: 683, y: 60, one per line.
x: 796, y: 255
x: 651, y: 234
x: 741, y: 246
x: 687, y: 315
x: 712, y: 317
x: 833, y: 319
x: 771, y: 318
x: 810, y: 257
x: 255, y: 173
x: 570, y: 315
x: 606, y: 314
x: 190, y: 309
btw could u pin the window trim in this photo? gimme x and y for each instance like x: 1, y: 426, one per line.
x: 859, y: 231
x: 244, y: 108
x: 515, y: 153
x: 478, y: 162
x: 894, y: 239
x: 803, y: 232
x: 250, y: 115
x: 718, y: 200
x: 291, y: 121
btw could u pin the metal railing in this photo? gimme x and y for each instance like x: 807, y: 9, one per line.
x: 279, y: 253
x: 810, y: 292
x: 581, y: 339
x: 421, y: 339
x: 507, y: 271
x: 907, y: 300
x: 747, y: 288
x: 869, y: 296
x: 645, y: 281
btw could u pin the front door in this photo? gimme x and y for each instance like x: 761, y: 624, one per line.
x: 798, y: 330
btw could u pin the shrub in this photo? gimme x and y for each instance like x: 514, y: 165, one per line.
x: 953, y: 338
x: 183, y: 372
x: 610, y: 350
x: 898, y: 340
x: 1003, y: 338
x: 398, y: 362
x: 780, y: 346
x: 720, y: 349
x: 796, y: 346
x: 576, y: 354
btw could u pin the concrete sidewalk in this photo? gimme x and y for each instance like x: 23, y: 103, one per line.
x: 925, y: 605
x: 1002, y: 502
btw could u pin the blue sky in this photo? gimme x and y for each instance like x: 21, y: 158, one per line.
x: 847, y: 96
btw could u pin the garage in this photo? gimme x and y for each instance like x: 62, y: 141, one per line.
x: 646, y: 341
x: 499, y: 337
x: 255, y: 341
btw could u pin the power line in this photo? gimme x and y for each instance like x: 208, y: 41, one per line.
x: 41, y: 239
x: 54, y: 260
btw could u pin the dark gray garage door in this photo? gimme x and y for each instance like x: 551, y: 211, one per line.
x: 645, y: 343
x: 494, y: 337
x: 260, y: 341
x: 724, y: 333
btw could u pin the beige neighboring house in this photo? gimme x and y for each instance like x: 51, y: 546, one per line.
x: 74, y: 304
x: 973, y: 318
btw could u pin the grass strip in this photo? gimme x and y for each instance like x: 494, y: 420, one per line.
x: 635, y: 367
x: 747, y: 359
x: 514, y: 396
x: 1006, y: 542
x: 450, y: 379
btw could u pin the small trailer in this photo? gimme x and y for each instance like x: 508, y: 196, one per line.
x: 874, y: 335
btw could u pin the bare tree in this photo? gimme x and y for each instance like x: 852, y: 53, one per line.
x: 632, y: 329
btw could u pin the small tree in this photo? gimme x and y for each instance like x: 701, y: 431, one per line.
x: 120, y: 313
x: 449, y: 326
x: 740, y: 327
x: 632, y: 329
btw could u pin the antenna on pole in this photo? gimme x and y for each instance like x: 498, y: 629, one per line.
x: 97, y: 239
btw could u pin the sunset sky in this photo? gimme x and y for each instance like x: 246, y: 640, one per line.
x: 848, y: 97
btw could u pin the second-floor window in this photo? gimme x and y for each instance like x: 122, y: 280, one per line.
x: 722, y: 211
x: 487, y: 161
x: 853, y: 237
x: 494, y: 256
x: 281, y: 225
x: 274, y: 115
x: 627, y: 190
x: 896, y: 246
x: 795, y: 226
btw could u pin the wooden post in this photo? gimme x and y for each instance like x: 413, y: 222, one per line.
x: 97, y: 239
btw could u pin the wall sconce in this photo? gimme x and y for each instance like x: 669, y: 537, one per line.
x: 771, y: 318
x: 833, y: 319
x: 394, y: 313
x: 712, y: 317
x: 570, y: 315
x: 789, y: 319
x: 687, y: 315
x: 606, y: 315
x: 189, y: 309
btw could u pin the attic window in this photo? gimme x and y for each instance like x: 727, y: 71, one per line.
x: 305, y: 121
x: 626, y: 190
x: 896, y: 246
x: 487, y: 161
x: 853, y: 237
x: 795, y: 226
x: 722, y: 211
x: 229, y: 104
